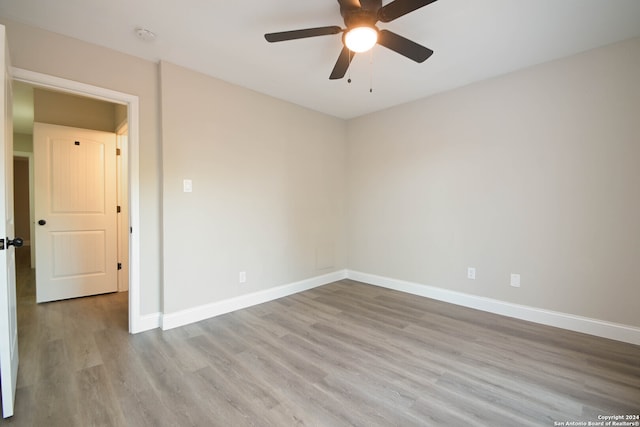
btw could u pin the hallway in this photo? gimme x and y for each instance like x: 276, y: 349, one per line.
x: 58, y: 350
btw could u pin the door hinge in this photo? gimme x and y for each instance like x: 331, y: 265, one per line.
x: 119, y: 266
x: 117, y: 151
x: 118, y: 209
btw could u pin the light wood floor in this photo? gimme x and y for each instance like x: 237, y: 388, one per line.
x: 342, y: 354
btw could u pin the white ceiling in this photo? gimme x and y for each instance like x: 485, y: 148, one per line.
x: 472, y: 39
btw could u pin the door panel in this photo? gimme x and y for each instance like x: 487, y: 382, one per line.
x: 77, y: 176
x: 75, y: 197
x: 68, y: 263
x: 8, y: 308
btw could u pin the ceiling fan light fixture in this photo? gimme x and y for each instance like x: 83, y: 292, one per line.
x: 361, y: 39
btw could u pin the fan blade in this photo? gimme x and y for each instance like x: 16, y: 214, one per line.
x: 404, y: 47
x: 342, y: 64
x: 302, y: 34
x: 398, y: 8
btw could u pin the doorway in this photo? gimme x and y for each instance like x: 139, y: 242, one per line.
x: 130, y: 102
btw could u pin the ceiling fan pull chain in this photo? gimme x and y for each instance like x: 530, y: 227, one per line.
x: 371, y: 72
x: 349, y: 69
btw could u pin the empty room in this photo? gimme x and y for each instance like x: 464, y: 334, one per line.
x: 320, y: 213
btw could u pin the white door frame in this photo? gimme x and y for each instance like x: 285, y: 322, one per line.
x: 136, y: 323
x: 122, y: 132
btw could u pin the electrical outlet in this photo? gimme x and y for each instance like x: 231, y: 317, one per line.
x: 187, y: 185
x: 242, y: 277
x: 515, y: 280
x: 471, y: 273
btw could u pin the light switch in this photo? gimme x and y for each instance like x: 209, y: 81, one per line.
x: 515, y: 280
x: 187, y: 186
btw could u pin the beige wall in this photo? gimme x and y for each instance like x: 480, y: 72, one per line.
x: 268, y: 190
x: 58, y: 108
x: 21, y: 198
x: 120, y: 116
x: 45, y: 52
x: 23, y: 142
x: 533, y: 173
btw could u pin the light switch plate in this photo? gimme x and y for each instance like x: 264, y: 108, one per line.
x: 515, y: 280
x: 187, y: 186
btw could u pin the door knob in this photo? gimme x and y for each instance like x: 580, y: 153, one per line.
x: 17, y: 242
x: 42, y: 222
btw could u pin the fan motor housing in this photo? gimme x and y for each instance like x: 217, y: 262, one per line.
x: 360, y: 18
x: 365, y: 15
x: 370, y: 5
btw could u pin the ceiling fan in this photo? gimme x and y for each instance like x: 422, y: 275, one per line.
x: 361, y: 34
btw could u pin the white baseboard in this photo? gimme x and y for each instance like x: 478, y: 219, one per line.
x: 146, y: 322
x: 207, y: 311
x: 600, y: 328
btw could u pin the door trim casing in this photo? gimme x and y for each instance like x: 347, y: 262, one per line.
x: 136, y: 322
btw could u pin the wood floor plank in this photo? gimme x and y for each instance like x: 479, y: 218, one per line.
x: 230, y: 375
x: 312, y: 405
x: 57, y: 403
x: 344, y: 354
x: 168, y: 382
x: 99, y: 404
x: 136, y: 399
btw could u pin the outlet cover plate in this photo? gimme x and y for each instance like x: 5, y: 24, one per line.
x: 471, y: 273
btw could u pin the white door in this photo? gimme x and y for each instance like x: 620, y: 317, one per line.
x: 75, y: 212
x: 8, y: 316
